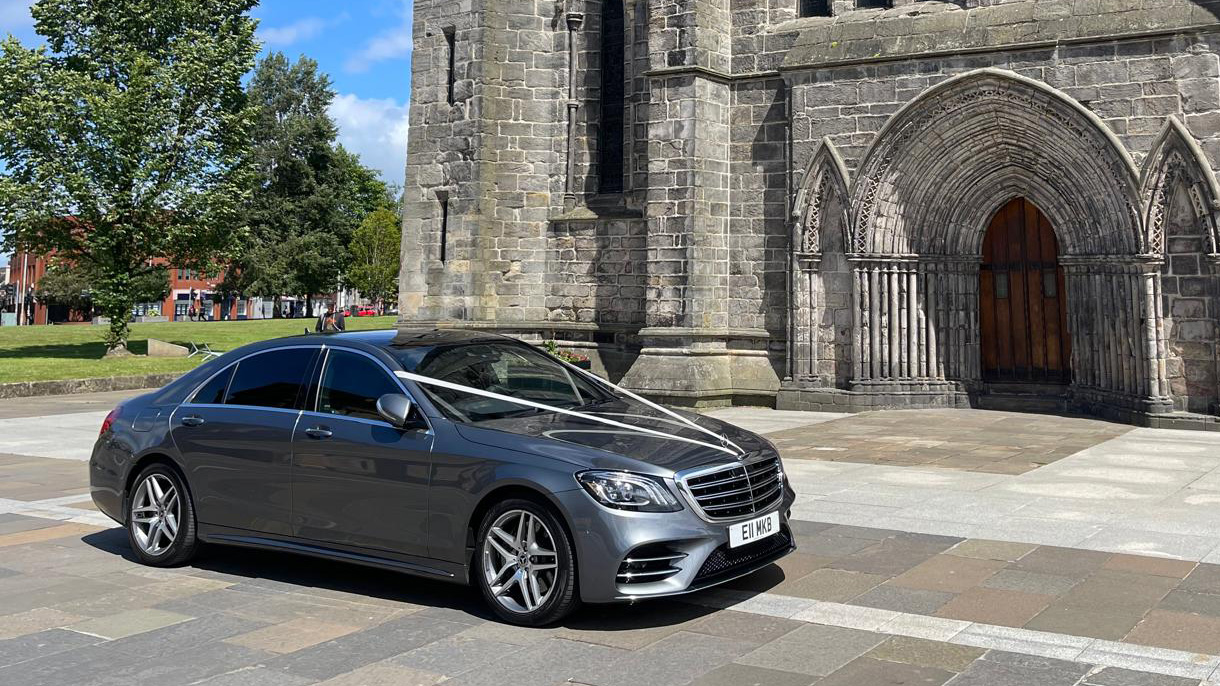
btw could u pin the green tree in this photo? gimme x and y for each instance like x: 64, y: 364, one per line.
x: 359, y: 191
x: 73, y: 286
x: 310, y: 193
x: 126, y: 139
x: 375, y: 260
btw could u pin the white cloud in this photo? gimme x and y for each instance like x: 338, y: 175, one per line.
x: 375, y: 129
x: 303, y: 29
x: 300, y: 30
x: 387, y: 45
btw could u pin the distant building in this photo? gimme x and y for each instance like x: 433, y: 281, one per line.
x: 187, y: 287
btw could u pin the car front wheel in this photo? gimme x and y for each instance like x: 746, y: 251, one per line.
x: 524, y: 564
x: 161, y: 518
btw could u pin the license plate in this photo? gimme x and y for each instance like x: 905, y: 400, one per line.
x: 753, y: 530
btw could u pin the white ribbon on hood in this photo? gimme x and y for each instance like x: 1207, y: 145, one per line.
x: 661, y: 408
x: 429, y: 381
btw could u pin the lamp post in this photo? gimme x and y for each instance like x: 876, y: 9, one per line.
x: 22, y: 301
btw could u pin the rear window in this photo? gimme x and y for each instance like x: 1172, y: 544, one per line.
x: 213, y: 392
x: 271, y: 379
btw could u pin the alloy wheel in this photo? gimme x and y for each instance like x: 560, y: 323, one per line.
x: 519, y: 561
x: 155, y: 514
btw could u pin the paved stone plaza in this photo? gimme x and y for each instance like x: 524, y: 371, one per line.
x: 1092, y: 566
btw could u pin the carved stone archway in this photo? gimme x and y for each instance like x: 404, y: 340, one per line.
x: 819, y: 229
x: 1181, y: 205
x: 935, y: 175
x: 1175, y: 158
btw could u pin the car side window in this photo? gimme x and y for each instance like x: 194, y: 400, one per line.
x: 271, y: 379
x: 213, y: 392
x: 351, y: 385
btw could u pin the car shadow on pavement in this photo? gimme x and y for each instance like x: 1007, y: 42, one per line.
x: 288, y: 572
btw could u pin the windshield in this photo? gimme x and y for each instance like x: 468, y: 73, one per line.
x: 514, y: 370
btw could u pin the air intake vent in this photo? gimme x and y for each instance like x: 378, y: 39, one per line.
x: 649, y: 563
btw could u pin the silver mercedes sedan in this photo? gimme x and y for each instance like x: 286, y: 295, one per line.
x: 450, y: 454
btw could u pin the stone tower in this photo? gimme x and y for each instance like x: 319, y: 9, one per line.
x: 829, y: 203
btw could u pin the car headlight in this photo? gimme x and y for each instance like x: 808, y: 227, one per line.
x: 627, y: 491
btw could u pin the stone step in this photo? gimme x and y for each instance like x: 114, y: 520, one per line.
x: 1025, y: 397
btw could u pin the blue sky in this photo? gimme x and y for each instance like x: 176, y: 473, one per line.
x: 365, y: 46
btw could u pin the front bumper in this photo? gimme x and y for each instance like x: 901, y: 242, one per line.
x: 605, y: 537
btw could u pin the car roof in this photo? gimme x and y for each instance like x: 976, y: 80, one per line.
x: 409, y: 337
x: 391, y: 342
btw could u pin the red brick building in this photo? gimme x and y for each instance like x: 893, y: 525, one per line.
x: 187, y: 288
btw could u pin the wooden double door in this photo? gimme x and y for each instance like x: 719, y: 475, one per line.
x: 1022, y: 304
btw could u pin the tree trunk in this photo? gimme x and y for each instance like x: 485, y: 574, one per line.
x: 275, y: 308
x: 309, y: 307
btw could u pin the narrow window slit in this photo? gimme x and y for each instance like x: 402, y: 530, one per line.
x: 451, y: 77
x: 443, y: 199
x: 610, y: 144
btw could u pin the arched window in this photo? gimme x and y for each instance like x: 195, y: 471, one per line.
x: 610, y: 124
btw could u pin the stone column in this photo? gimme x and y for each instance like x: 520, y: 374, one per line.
x: 1117, y: 329
x: 574, y: 21
x: 692, y: 352
x: 804, y: 315
x: 916, y: 326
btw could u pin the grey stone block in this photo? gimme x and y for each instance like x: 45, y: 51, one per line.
x: 352, y: 651
x: 41, y: 644
x: 835, y: 648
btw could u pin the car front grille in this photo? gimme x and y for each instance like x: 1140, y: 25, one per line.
x: 733, y: 491
x: 726, y: 562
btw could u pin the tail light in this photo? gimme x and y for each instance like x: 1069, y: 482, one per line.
x: 114, y: 414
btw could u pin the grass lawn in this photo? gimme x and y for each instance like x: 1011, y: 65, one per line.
x: 39, y: 353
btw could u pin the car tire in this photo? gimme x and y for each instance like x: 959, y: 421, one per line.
x: 161, y: 518
x: 519, y: 586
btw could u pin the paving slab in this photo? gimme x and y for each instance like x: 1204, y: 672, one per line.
x: 128, y: 623
x: 32, y: 646
x: 994, y: 606
x: 998, y: 669
x: 384, y: 674
x: 925, y: 653
x: 836, y: 647
x: 454, y: 655
x: 1115, y: 676
x: 746, y: 675
x: 1179, y: 631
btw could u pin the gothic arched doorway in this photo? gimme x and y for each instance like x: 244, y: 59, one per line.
x: 1022, y: 307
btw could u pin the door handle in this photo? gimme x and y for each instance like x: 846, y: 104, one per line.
x: 192, y: 420
x: 319, y: 432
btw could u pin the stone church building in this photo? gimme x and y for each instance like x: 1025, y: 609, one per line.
x: 830, y: 204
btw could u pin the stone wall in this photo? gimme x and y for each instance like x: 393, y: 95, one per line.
x: 1130, y: 86
x: 1192, y: 295
x: 758, y: 227
x: 595, y: 272
x: 495, y: 154
x: 705, y: 259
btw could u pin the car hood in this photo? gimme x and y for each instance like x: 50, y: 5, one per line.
x: 570, y: 438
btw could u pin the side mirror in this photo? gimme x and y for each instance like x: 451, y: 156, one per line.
x: 395, y: 408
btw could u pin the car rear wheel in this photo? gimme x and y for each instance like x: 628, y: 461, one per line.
x: 161, y: 518
x: 524, y: 564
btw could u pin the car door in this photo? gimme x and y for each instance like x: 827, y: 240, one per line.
x: 357, y: 480
x: 235, y: 438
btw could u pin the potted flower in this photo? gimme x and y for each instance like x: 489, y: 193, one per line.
x: 568, y: 356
